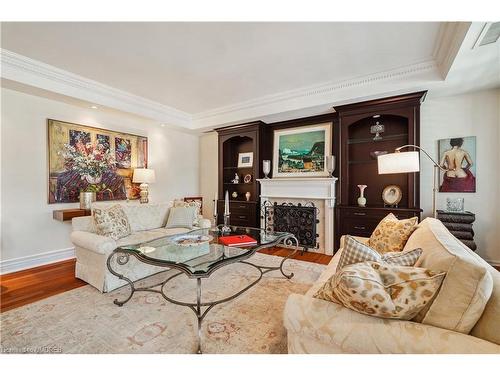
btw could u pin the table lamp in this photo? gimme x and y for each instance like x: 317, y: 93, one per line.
x: 407, y: 162
x: 144, y: 176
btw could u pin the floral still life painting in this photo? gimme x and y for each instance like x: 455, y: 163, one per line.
x: 458, y: 157
x: 84, y: 158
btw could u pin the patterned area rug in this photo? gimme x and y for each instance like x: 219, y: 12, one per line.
x: 85, y: 321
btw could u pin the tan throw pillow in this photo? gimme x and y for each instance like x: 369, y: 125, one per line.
x: 181, y: 217
x: 468, y: 284
x: 391, y: 234
x: 382, y: 290
x: 111, y: 222
x: 357, y: 252
x: 196, y: 204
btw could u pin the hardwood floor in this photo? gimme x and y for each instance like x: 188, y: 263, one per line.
x: 306, y: 257
x: 24, y: 287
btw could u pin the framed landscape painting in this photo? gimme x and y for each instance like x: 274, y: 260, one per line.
x: 302, y: 151
x: 84, y: 158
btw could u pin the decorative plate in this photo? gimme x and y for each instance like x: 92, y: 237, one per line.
x: 192, y: 239
x: 392, y: 195
x: 247, y: 179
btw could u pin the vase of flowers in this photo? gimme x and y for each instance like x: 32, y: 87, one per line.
x: 362, y: 199
x: 89, y: 160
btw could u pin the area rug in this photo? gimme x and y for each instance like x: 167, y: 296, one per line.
x: 85, y: 321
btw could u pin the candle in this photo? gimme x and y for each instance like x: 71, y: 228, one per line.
x: 226, y: 204
x: 215, y: 205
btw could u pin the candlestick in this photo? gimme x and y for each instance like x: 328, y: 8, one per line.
x: 215, y: 204
x: 226, y: 204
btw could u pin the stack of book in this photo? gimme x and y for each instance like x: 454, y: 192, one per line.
x: 460, y: 225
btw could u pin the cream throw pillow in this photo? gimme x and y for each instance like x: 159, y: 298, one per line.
x: 196, y: 204
x: 391, y: 234
x: 466, y: 288
x: 181, y: 217
x: 382, y: 290
x: 111, y: 222
x: 357, y: 252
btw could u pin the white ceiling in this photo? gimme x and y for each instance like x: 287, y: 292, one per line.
x: 196, y: 67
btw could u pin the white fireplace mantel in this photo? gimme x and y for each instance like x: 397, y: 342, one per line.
x: 304, y: 188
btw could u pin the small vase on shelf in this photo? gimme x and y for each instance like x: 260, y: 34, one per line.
x: 362, y: 199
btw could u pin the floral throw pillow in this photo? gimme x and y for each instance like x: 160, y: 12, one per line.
x: 357, y: 252
x: 382, y: 290
x: 391, y: 234
x: 111, y: 222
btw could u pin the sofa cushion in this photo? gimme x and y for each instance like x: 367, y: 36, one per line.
x: 141, y: 217
x: 488, y: 326
x: 111, y: 222
x: 391, y: 234
x: 467, y: 286
x: 148, y: 235
x: 147, y: 216
x: 383, y: 290
x: 357, y: 252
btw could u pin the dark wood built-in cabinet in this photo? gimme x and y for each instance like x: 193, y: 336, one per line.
x: 357, y: 162
x: 250, y: 137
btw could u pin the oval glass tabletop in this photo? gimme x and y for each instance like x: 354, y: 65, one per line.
x: 203, y: 250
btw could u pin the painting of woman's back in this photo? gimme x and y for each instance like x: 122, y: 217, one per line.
x: 457, y: 156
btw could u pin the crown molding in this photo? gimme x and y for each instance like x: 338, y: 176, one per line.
x: 450, y: 38
x: 37, y: 74
x: 329, y: 90
x: 31, y: 72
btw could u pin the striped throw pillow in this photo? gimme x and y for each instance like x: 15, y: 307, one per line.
x: 357, y: 252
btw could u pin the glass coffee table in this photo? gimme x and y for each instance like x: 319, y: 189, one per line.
x: 198, y: 254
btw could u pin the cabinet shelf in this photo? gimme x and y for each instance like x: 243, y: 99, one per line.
x: 386, y: 138
x: 237, y: 167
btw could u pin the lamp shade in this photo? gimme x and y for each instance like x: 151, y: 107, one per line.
x: 144, y: 175
x: 399, y: 162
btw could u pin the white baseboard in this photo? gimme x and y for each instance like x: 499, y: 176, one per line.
x: 19, y: 264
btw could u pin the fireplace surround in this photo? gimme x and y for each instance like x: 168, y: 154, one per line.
x: 320, y: 191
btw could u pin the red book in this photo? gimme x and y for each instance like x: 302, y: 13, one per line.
x: 238, y: 240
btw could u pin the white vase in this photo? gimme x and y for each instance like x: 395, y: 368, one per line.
x: 362, y: 199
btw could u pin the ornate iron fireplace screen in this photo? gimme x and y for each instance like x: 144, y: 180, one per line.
x: 298, y: 219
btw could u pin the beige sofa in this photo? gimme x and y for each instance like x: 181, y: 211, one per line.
x: 463, y: 318
x: 147, y: 222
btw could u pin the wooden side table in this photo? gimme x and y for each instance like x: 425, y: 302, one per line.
x: 68, y: 214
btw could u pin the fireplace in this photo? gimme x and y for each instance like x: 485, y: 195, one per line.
x: 316, y: 195
x: 298, y: 219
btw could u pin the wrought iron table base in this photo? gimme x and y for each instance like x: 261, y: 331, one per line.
x: 199, y: 308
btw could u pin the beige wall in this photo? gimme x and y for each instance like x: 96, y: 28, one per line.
x: 470, y: 114
x: 473, y: 114
x: 208, y: 171
x: 27, y: 227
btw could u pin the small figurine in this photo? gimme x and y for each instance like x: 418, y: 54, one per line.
x: 236, y: 179
x: 234, y: 195
x: 248, y: 195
